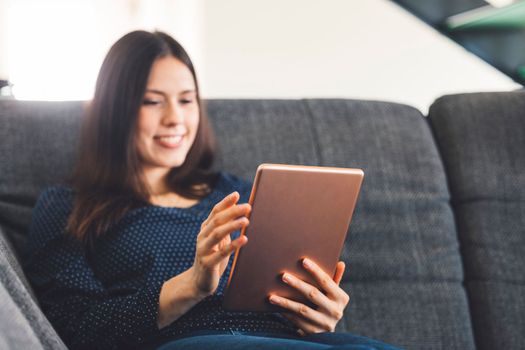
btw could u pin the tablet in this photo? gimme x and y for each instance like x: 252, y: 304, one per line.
x: 297, y: 212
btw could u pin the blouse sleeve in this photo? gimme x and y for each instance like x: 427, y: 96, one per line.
x: 86, y: 314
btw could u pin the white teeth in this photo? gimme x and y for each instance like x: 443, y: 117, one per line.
x: 171, y: 139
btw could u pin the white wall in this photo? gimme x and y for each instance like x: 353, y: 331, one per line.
x: 369, y: 49
x: 249, y: 48
x: 55, y: 47
x: 4, y: 70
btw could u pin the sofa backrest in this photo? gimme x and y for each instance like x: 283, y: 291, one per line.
x: 37, y: 148
x: 34, y: 154
x: 482, y: 141
x: 404, y: 270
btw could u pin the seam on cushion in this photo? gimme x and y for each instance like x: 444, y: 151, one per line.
x: 496, y: 281
x: 405, y: 280
x: 488, y: 246
x: 488, y: 199
x: 453, y: 206
x: 432, y: 281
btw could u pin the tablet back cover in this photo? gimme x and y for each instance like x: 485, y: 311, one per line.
x: 297, y: 212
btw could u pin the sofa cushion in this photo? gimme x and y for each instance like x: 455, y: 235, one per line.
x: 37, y: 149
x: 23, y: 325
x: 251, y: 132
x: 404, y: 270
x: 15, y: 330
x: 482, y: 141
x: 12, y: 262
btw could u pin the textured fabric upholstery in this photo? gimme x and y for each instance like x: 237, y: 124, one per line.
x: 22, y: 324
x: 37, y: 148
x: 402, y: 251
x: 251, y: 132
x: 405, y: 266
x: 9, y: 257
x: 482, y: 141
x: 16, y: 332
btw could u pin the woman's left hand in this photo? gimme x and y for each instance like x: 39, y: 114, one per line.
x: 331, y: 300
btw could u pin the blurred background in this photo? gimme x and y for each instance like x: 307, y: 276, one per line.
x: 408, y: 51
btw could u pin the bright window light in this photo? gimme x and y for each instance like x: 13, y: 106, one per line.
x: 500, y: 3
x: 51, y: 49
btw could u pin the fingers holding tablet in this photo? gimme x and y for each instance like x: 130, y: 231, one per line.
x: 226, y: 250
x: 304, y: 317
x: 329, y: 305
x: 339, y: 271
x: 330, y: 286
x: 225, y: 218
x: 214, y: 245
x: 224, y: 204
x: 305, y: 326
x: 219, y: 229
x: 311, y: 292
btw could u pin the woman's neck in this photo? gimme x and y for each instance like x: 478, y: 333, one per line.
x: 156, y: 181
x: 161, y: 194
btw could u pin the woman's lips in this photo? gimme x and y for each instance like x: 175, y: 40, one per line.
x: 173, y: 141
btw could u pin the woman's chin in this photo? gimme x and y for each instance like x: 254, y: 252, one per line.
x: 175, y: 164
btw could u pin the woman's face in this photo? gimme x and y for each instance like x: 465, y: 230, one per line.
x: 169, y: 116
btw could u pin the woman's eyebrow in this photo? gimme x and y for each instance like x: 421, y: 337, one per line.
x: 154, y: 91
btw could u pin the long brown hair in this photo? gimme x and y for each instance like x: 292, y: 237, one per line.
x: 108, y: 179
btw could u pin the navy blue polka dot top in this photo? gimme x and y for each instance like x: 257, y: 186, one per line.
x: 108, y: 299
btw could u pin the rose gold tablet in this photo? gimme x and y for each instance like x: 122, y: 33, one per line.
x: 297, y: 212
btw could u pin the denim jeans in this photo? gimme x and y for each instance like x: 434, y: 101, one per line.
x: 233, y: 340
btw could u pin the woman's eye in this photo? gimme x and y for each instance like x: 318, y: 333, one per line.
x: 186, y: 101
x: 150, y: 102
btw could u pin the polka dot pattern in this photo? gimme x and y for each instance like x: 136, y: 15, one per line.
x: 108, y: 298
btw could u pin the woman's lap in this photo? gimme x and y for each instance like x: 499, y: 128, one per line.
x: 264, y: 341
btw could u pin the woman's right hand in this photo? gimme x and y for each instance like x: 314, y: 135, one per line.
x: 214, y: 245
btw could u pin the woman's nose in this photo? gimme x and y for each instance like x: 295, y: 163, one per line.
x: 173, y: 115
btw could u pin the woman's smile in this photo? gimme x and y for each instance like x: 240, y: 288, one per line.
x: 168, y: 119
x: 170, y: 141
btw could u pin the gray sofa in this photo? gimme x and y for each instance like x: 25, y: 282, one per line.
x: 436, y: 251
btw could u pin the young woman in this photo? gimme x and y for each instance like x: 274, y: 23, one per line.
x: 134, y: 252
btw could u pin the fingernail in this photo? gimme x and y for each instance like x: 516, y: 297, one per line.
x: 274, y: 299
x: 307, y: 263
x: 286, y: 278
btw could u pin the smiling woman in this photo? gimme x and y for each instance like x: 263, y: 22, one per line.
x: 135, y: 251
x: 146, y: 90
x: 168, y: 120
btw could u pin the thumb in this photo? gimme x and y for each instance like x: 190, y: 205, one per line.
x: 339, y: 271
